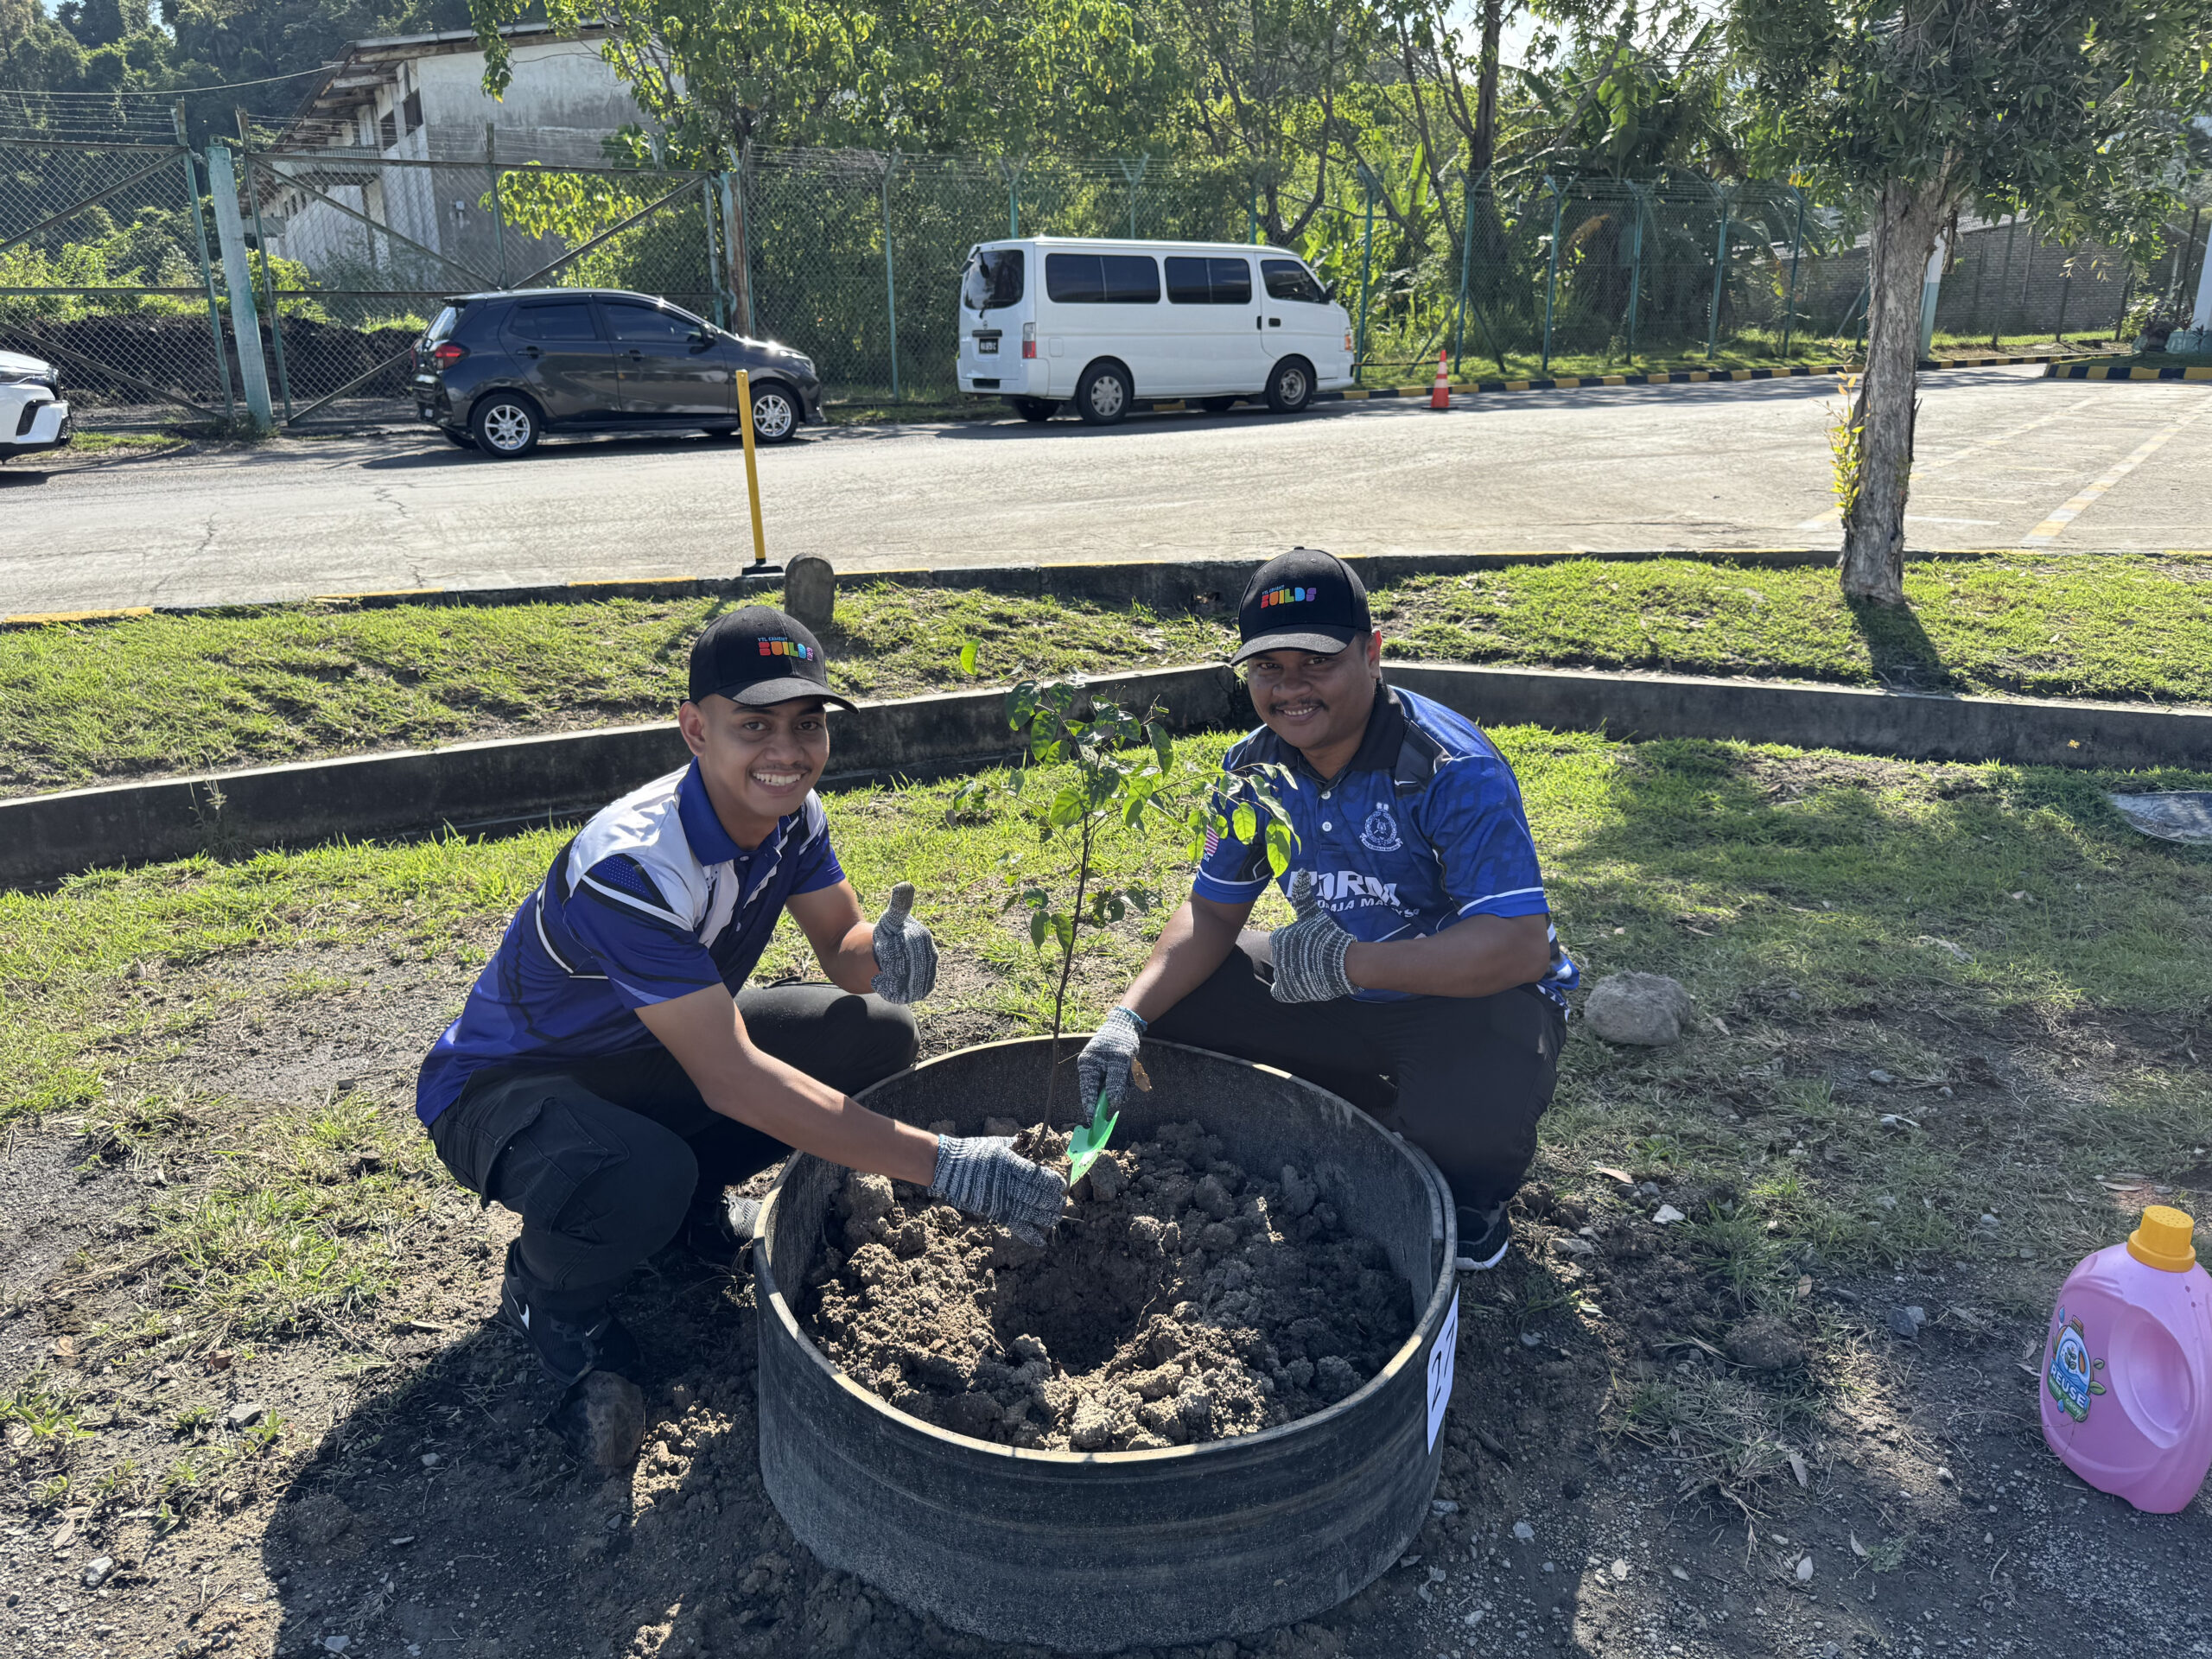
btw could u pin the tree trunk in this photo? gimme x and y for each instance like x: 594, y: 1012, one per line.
x: 1483, y: 151
x: 1873, y: 531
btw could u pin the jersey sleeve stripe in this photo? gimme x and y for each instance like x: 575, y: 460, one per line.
x: 1474, y: 905
x: 1212, y: 886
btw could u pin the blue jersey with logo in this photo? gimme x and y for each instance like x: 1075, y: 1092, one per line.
x: 1423, y: 828
x: 649, y: 901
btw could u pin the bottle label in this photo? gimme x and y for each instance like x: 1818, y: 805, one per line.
x: 2072, y: 1374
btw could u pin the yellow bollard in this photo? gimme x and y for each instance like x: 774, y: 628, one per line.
x: 751, y: 470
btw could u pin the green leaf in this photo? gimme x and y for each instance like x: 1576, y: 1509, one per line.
x: 1247, y: 821
x: 1279, y: 842
x: 1068, y: 807
x: 968, y: 657
x: 1039, y: 922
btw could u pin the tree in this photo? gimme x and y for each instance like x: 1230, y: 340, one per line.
x: 2071, y: 111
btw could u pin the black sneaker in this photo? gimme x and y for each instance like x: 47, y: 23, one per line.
x: 568, y: 1347
x: 1485, y: 1238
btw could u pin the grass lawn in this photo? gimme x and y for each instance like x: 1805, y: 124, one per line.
x: 1927, y: 995
x: 85, y: 703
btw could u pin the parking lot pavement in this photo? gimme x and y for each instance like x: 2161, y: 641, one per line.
x: 2001, y: 452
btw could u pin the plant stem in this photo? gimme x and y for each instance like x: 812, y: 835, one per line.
x: 1067, y: 966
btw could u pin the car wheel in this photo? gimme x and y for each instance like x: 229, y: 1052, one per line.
x: 775, y: 413
x: 504, y: 426
x: 1290, y: 388
x: 1216, y: 405
x: 459, y: 440
x: 1103, y: 395
x: 1034, y: 409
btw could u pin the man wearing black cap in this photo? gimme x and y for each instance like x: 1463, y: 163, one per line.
x: 608, y: 1076
x: 1423, y: 979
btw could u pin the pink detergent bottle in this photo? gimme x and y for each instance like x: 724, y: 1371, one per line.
x: 2127, y: 1371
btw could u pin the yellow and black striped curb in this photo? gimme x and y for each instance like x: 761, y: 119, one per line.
x: 1669, y: 377
x: 2124, y: 372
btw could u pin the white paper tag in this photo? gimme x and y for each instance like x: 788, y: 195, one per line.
x: 1441, y: 1354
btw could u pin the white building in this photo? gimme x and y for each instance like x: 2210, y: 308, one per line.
x: 420, y: 99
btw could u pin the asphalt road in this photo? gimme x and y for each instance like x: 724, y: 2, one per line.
x: 2004, y: 456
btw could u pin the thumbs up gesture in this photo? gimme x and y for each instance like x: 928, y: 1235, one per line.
x: 906, y: 955
x: 1309, y: 954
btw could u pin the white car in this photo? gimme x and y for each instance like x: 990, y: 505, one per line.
x: 1048, y: 319
x: 33, y: 416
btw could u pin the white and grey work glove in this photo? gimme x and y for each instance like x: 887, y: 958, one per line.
x: 1103, y: 1065
x: 906, y: 955
x: 983, y: 1175
x: 1309, y: 954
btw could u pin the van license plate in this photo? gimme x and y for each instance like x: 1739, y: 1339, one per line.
x: 987, y: 348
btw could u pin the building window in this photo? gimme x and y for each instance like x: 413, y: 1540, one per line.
x: 413, y: 110
x: 388, y: 132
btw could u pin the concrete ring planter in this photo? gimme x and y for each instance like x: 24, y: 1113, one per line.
x: 1094, y: 1551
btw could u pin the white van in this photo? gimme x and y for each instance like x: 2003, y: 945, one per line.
x: 1047, y: 319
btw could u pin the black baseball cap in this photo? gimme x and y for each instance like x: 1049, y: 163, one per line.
x: 1304, y: 600
x: 758, y: 656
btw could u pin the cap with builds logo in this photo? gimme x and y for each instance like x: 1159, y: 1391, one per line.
x: 759, y: 656
x: 1306, y: 600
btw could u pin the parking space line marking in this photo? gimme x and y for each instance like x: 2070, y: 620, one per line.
x: 1835, y: 515
x: 2053, y: 527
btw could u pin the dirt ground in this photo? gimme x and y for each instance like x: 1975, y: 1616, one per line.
x: 381, y: 1486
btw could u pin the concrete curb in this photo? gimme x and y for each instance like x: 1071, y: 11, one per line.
x: 535, y: 780
x: 1670, y: 377
x: 2118, y: 371
x: 1162, y: 584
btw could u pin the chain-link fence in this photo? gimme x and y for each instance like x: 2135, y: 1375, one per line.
x: 104, y: 272
x: 855, y: 257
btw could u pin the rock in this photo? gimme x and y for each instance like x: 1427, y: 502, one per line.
x: 1805, y: 1570
x: 1639, y: 1010
x: 1905, y: 1322
x: 1524, y: 1532
x: 811, y: 590
x: 432, y: 1459
x: 96, y: 1571
x: 602, y: 1420
x: 1107, y: 1180
x: 336, y: 1643
x: 1443, y: 1506
x: 1619, y: 1570
x: 1880, y: 1075
x: 1764, y: 1343
x: 244, y: 1415
x: 1298, y: 1193
x: 1667, y: 1215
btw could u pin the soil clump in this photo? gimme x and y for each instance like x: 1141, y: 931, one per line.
x: 1180, y: 1299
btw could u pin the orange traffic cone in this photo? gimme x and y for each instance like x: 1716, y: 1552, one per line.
x: 1440, y: 396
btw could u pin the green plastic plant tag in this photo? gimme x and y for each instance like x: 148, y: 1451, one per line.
x: 1089, y: 1141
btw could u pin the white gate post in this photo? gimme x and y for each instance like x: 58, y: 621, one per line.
x: 237, y: 278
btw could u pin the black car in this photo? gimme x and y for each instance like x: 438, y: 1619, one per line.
x: 495, y: 370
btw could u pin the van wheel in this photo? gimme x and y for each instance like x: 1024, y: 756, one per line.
x: 1102, y: 397
x: 1290, y: 388
x: 1034, y: 409
x: 1216, y: 405
x: 505, y: 425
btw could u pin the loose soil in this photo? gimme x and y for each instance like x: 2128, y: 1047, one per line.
x: 1180, y: 1299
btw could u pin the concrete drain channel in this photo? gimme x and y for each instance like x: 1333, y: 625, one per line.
x: 1099, y: 1551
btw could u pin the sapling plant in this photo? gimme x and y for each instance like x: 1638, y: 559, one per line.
x: 1125, y: 767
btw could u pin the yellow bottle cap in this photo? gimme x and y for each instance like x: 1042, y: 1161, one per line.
x: 2164, y: 1239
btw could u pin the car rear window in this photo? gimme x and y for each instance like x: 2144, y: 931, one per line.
x: 1210, y: 281
x: 993, y: 278
x: 1103, y: 278
x: 558, y: 319
x: 442, y: 325
x: 627, y: 319
x: 1288, y: 280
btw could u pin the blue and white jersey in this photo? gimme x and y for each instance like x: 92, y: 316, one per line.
x: 649, y: 901
x: 1423, y: 828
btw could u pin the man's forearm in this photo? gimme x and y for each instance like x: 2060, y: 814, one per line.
x: 783, y: 1102
x: 1194, y: 943
x: 852, y: 967
x: 1479, y: 957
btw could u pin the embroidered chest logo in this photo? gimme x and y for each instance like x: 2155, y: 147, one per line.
x: 1380, y: 833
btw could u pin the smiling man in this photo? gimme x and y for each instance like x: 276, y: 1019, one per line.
x: 611, y: 1074
x: 1423, y: 979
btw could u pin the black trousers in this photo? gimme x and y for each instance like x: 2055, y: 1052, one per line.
x: 602, y: 1159
x: 1464, y: 1078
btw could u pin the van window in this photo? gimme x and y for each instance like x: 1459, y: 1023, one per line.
x: 561, y: 319
x: 1288, y: 280
x: 993, y: 278
x: 1103, y: 278
x: 1193, y: 281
